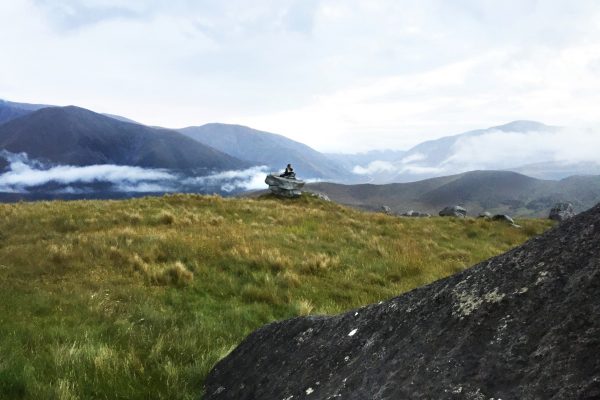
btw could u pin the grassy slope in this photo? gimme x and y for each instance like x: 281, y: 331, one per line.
x: 139, y: 298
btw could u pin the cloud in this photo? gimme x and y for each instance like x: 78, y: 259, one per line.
x: 340, y: 76
x: 374, y: 167
x: 23, y: 174
x: 229, y: 181
x: 502, y: 150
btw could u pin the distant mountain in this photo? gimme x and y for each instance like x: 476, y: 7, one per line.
x: 447, y: 155
x: 10, y: 110
x: 272, y: 150
x: 76, y: 136
x: 494, y: 191
x: 558, y: 170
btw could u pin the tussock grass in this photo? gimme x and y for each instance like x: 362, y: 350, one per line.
x: 138, y: 299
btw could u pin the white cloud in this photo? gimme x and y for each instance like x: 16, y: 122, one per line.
x: 338, y: 75
x: 23, y: 174
x: 249, y: 179
x: 374, y: 167
x: 499, y: 150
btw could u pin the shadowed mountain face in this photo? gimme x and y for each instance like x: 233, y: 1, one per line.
x: 494, y: 191
x: 523, y: 325
x: 274, y: 151
x: 75, y: 136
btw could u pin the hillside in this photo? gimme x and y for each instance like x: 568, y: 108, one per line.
x: 522, y: 325
x: 494, y: 191
x: 272, y: 150
x: 140, y: 298
x: 10, y: 110
x: 75, y: 136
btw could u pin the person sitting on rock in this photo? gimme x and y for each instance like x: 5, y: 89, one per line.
x: 289, y: 172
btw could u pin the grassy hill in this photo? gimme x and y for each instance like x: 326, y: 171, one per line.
x: 139, y: 298
x: 493, y: 191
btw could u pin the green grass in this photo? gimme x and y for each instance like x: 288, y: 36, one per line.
x: 138, y: 299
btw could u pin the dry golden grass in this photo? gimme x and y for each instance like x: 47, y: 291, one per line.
x: 138, y: 299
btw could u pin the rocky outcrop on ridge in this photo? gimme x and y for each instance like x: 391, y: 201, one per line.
x: 453, y: 211
x: 523, y: 325
x: 561, y: 212
x: 284, y: 187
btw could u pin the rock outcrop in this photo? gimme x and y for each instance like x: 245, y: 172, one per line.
x: 485, y: 215
x: 523, y: 325
x: 453, y: 211
x: 284, y: 187
x: 561, y: 212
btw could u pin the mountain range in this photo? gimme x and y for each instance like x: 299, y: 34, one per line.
x: 76, y: 136
x: 236, y: 158
x: 478, y: 191
x: 269, y: 149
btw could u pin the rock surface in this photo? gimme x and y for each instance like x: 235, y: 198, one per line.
x: 284, y: 187
x: 503, y: 218
x: 320, y: 196
x: 485, y: 215
x: 561, y: 212
x: 386, y: 210
x: 523, y: 325
x: 453, y: 211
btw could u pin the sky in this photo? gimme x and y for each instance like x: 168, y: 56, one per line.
x: 338, y: 75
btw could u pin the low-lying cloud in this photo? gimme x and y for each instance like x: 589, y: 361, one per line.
x: 24, y: 174
x: 575, y: 150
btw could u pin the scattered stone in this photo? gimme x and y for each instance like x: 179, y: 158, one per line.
x: 284, y: 187
x: 561, y: 212
x: 386, y: 210
x: 453, y: 211
x: 320, y: 196
x: 523, y: 325
x: 503, y: 218
x: 416, y: 214
x: 485, y: 215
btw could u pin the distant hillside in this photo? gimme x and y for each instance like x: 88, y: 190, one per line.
x: 10, y: 110
x: 272, y: 150
x: 494, y: 191
x: 75, y: 136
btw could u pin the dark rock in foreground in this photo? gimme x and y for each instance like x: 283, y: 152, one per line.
x: 523, y: 325
x: 561, y: 212
x: 284, y: 187
x: 453, y: 211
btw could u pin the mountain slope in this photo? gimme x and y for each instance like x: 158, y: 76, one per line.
x: 522, y: 325
x: 265, y: 148
x: 75, y: 136
x: 495, y: 191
